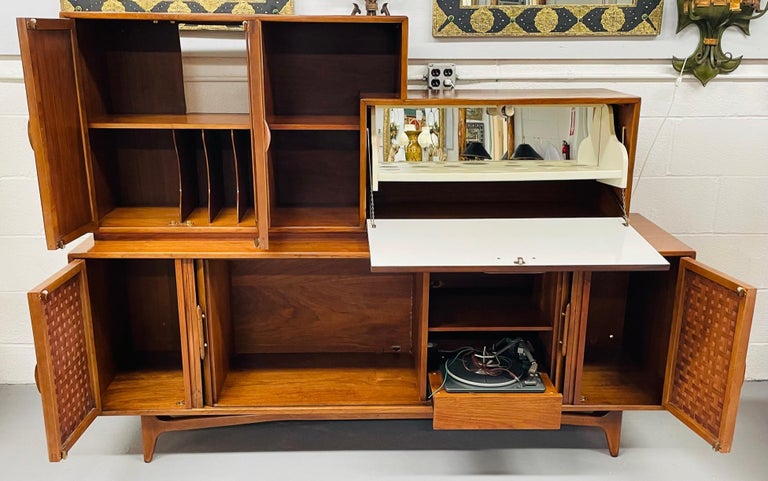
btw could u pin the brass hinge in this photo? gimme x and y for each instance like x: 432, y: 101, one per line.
x: 256, y: 242
x: 32, y: 24
x: 44, y: 296
x: 716, y: 447
x: 60, y: 244
x: 741, y: 291
x: 63, y: 455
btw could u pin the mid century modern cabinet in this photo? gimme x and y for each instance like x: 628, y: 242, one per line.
x: 231, y: 278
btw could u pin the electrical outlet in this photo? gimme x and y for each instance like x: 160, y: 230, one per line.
x: 441, y: 76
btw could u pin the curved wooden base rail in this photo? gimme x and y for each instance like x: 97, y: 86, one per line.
x: 153, y: 426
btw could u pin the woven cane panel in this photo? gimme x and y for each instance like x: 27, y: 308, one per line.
x: 66, y: 335
x: 704, y: 350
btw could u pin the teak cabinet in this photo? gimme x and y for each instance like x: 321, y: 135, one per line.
x: 264, y: 265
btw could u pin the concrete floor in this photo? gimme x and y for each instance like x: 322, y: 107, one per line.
x: 655, y: 446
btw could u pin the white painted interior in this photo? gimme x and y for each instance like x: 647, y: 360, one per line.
x: 509, y: 244
x: 701, y: 167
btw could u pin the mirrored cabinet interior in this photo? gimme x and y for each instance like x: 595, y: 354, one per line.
x: 328, y: 245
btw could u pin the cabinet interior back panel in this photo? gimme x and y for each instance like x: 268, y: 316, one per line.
x: 508, y: 244
x: 328, y: 305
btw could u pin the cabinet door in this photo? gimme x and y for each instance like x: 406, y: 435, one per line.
x: 66, y: 370
x: 708, y: 348
x: 55, y: 128
x: 261, y: 137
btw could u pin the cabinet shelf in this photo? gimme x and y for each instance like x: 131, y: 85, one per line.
x: 154, y: 390
x: 331, y: 217
x: 168, y: 217
x: 321, y: 380
x: 179, y: 122
x: 457, y: 312
x: 618, y: 384
x: 490, y: 171
x: 314, y: 122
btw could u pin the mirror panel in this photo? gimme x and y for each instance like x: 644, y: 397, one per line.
x: 510, y: 18
x: 478, y: 143
x: 484, y: 133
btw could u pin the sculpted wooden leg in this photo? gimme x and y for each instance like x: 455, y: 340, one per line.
x: 609, y: 422
x: 153, y: 426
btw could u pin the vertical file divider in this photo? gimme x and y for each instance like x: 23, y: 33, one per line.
x: 213, y: 161
x: 185, y: 154
x: 241, y: 146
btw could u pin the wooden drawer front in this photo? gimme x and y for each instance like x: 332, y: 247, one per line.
x: 496, y: 410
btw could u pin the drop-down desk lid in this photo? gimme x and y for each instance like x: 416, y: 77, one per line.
x: 509, y: 245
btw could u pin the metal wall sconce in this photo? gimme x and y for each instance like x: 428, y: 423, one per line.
x: 713, y: 17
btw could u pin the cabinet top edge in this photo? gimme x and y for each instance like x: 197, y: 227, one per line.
x: 509, y: 96
x: 232, y: 18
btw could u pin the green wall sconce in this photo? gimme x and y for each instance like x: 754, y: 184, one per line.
x: 713, y: 17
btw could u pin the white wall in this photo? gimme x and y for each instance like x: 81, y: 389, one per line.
x: 705, y: 155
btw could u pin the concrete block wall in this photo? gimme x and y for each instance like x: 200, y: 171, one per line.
x: 701, y: 168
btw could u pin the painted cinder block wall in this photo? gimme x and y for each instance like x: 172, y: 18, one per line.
x: 702, y: 157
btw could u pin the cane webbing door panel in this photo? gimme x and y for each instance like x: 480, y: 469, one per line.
x: 55, y: 128
x: 708, y: 347
x: 67, y: 378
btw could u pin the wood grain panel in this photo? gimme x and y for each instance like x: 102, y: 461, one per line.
x: 188, y: 144
x: 132, y: 67
x: 319, y: 306
x: 56, y: 129
x: 151, y: 300
x: 145, y: 390
x: 241, y: 147
x: 214, y: 162
x: 496, y: 410
x: 406, y: 200
x: 219, y: 324
x: 139, y: 168
x: 290, y: 380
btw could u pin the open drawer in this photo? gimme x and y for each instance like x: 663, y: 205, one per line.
x: 475, y: 410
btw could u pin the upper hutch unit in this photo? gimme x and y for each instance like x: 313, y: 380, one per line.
x: 120, y: 154
x: 286, y: 260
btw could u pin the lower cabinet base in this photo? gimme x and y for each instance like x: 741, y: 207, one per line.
x: 153, y: 426
x: 609, y: 422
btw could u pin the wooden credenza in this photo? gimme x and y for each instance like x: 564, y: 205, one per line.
x: 269, y: 265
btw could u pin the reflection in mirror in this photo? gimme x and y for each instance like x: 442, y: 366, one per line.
x: 483, y: 133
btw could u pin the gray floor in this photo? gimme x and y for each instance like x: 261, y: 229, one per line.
x: 655, y: 446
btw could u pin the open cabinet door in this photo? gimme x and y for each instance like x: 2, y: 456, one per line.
x: 55, y: 128
x: 260, y: 133
x: 66, y: 370
x: 708, y: 349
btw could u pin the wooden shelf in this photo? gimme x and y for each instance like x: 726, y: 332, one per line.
x: 336, y: 218
x: 321, y: 380
x: 454, y: 311
x: 131, y: 218
x: 145, y: 390
x: 619, y: 384
x: 490, y: 171
x: 179, y: 122
x: 314, y: 122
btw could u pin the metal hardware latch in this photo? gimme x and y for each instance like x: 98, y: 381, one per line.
x: 520, y: 261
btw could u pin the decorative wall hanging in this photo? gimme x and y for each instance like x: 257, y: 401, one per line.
x: 283, y: 7
x: 463, y: 18
x: 713, y: 17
